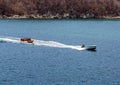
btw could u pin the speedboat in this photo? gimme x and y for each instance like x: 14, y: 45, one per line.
x: 91, y: 47
x: 28, y: 40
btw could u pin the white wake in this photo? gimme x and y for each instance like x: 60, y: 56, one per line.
x: 41, y: 43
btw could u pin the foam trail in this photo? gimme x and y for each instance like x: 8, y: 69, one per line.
x: 56, y: 44
x: 42, y: 43
x: 8, y: 39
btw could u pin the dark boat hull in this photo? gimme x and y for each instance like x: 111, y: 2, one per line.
x: 92, y: 48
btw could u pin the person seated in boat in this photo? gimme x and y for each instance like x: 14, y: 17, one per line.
x: 25, y: 39
x: 82, y: 45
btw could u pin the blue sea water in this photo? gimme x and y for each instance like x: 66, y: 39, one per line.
x: 22, y: 64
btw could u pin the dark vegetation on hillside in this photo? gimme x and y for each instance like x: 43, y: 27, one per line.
x: 61, y: 8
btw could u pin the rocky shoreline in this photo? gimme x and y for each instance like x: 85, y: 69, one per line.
x: 65, y: 16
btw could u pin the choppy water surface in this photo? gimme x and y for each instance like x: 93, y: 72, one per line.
x: 52, y: 60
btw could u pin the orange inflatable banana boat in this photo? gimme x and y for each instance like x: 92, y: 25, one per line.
x: 28, y: 40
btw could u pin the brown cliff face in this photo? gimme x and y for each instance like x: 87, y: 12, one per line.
x: 60, y: 8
